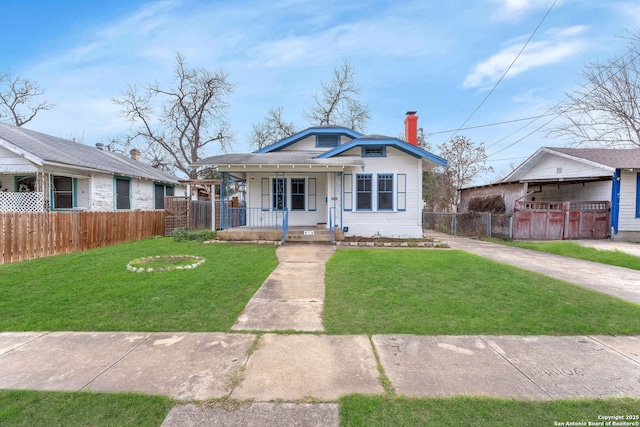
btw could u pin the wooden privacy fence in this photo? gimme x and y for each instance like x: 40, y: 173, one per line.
x: 30, y: 235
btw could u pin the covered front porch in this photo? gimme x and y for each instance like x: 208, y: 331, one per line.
x: 282, y: 206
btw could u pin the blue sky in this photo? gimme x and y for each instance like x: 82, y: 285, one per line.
x: 439, y: 58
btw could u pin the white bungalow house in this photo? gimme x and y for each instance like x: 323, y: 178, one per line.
x: 40, y: 172
x: 333, y: 178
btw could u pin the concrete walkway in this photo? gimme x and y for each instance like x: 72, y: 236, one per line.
x: 617, y: 281
x: 292, y: 297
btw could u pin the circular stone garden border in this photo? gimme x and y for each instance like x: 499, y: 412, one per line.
x: 196, y: 261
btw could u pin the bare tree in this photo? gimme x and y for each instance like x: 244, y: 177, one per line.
x: 605, y: 110
x: 272, y: 129
x: 191, y: 116
x: 465, y: 161
x: 17, y: 99
x: 338, y: 104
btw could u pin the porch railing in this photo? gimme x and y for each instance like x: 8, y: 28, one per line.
x: 252, y: 218
x: 21, y: 202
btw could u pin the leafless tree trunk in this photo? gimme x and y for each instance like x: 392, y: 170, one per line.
x: 191, y: 116
x: 338, y: 104
x: 17, y: 102
x: 272, y: 129
x: 605, y: 110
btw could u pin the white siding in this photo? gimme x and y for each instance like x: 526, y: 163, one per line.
x: 555, y: 167
x: 102, y: 192
x: 388, y: 223
x: 627, y: 220
x: 307, y: 144
x: 13, y: 163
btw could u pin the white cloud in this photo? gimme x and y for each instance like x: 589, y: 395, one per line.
x: 514, y: 9
x: 389, y: 38
x: 557, y: 46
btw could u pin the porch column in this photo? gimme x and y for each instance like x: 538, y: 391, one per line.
x: 213, y: 207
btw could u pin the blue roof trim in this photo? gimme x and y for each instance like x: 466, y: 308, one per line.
x: 387, y: 142
x: 276, y: 146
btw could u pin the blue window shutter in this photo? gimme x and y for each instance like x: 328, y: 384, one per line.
x: 638, y: 195
x: 347, y: 197
x: 402, y: 192
x: 312, y: 194
x: 264, y: 194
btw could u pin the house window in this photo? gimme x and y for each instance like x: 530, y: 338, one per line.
x: 160, y: 191
x: 330, y: 140
x: 297, y: 194
x: 385, y: 191
x: 374, y: 151
x: 363, y: 192
x: 279, y: 193
x: 62, y: 191
x: 123, y: 192
x: 25, y: 184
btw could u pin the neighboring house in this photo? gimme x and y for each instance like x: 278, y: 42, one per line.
x: 40, y: 172
x: 572, y: 175
x: 333, y: 177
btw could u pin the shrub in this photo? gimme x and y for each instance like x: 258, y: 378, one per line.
x: 184, y: 234
x: 493, y: 204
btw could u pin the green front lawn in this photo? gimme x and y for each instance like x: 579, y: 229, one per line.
x: 46, y: 409
x: 575, y: 250
x: 432, y: 292
x: 93, y: 290
x: 370, y: 411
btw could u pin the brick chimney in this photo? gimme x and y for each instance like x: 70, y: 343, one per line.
x: 411, y: 128
x: 135, y: 154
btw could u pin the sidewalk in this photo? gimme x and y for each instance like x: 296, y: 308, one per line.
x: 200, y: 366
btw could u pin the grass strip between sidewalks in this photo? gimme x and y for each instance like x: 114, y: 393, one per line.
x: 574, y: 250
x: 47, y: 408
x: 372, y: 411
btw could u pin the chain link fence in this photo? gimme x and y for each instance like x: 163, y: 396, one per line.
x: 471, y: 224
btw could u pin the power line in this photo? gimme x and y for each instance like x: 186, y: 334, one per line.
x: 556, y: 115
x: 506, y: 71
x: 506, y: 122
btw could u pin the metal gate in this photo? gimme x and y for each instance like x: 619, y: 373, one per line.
x: 561, y: 220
